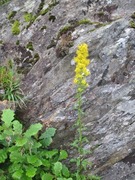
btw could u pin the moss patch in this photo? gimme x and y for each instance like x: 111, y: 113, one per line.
x: 11, y: 15
x: 84, y: 21
x: 28, y: 17
x: 17, y: 42
x: 71, y: 27
x: 132, y: 24
x: 16, y: 27
x: 65, y: 29
x: 30, y: 46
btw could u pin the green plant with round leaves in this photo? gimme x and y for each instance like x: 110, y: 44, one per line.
x: 26, y: 154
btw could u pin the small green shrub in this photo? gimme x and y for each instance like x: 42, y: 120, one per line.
x: 10, y: 83
x: 16, y: 28
x: 26, y: 154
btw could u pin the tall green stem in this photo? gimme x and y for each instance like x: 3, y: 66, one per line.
x: 79, y: 130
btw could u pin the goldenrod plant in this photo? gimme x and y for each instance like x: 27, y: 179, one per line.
x: 81, y: 72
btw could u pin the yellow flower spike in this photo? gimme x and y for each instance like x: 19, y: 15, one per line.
x: 81, y: 71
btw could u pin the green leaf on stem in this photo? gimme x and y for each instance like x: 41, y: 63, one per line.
x: 33, y: 130
x: 7, y: 116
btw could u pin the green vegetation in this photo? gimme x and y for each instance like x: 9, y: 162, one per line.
x: 16, y: 27
x: 17, y: 42
x: 28, y: 17
x: 84, y: 21
x: 10, y: 84
x: 26, y: 154
x: 71, y: 27
x: 11, y: 15
x: 132, y: 24
x: 4, y: 2
x: 30, y: 46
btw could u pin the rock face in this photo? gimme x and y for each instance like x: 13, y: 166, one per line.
x: 109, y: 102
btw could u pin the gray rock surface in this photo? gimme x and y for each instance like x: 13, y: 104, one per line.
x: 109, y: 102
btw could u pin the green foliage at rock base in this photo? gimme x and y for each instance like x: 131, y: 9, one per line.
x: 25, y: 154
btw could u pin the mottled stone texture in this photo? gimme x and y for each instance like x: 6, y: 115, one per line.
x: 109, y: 102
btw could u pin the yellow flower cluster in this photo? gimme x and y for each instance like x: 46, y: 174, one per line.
x: 81, y: 71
